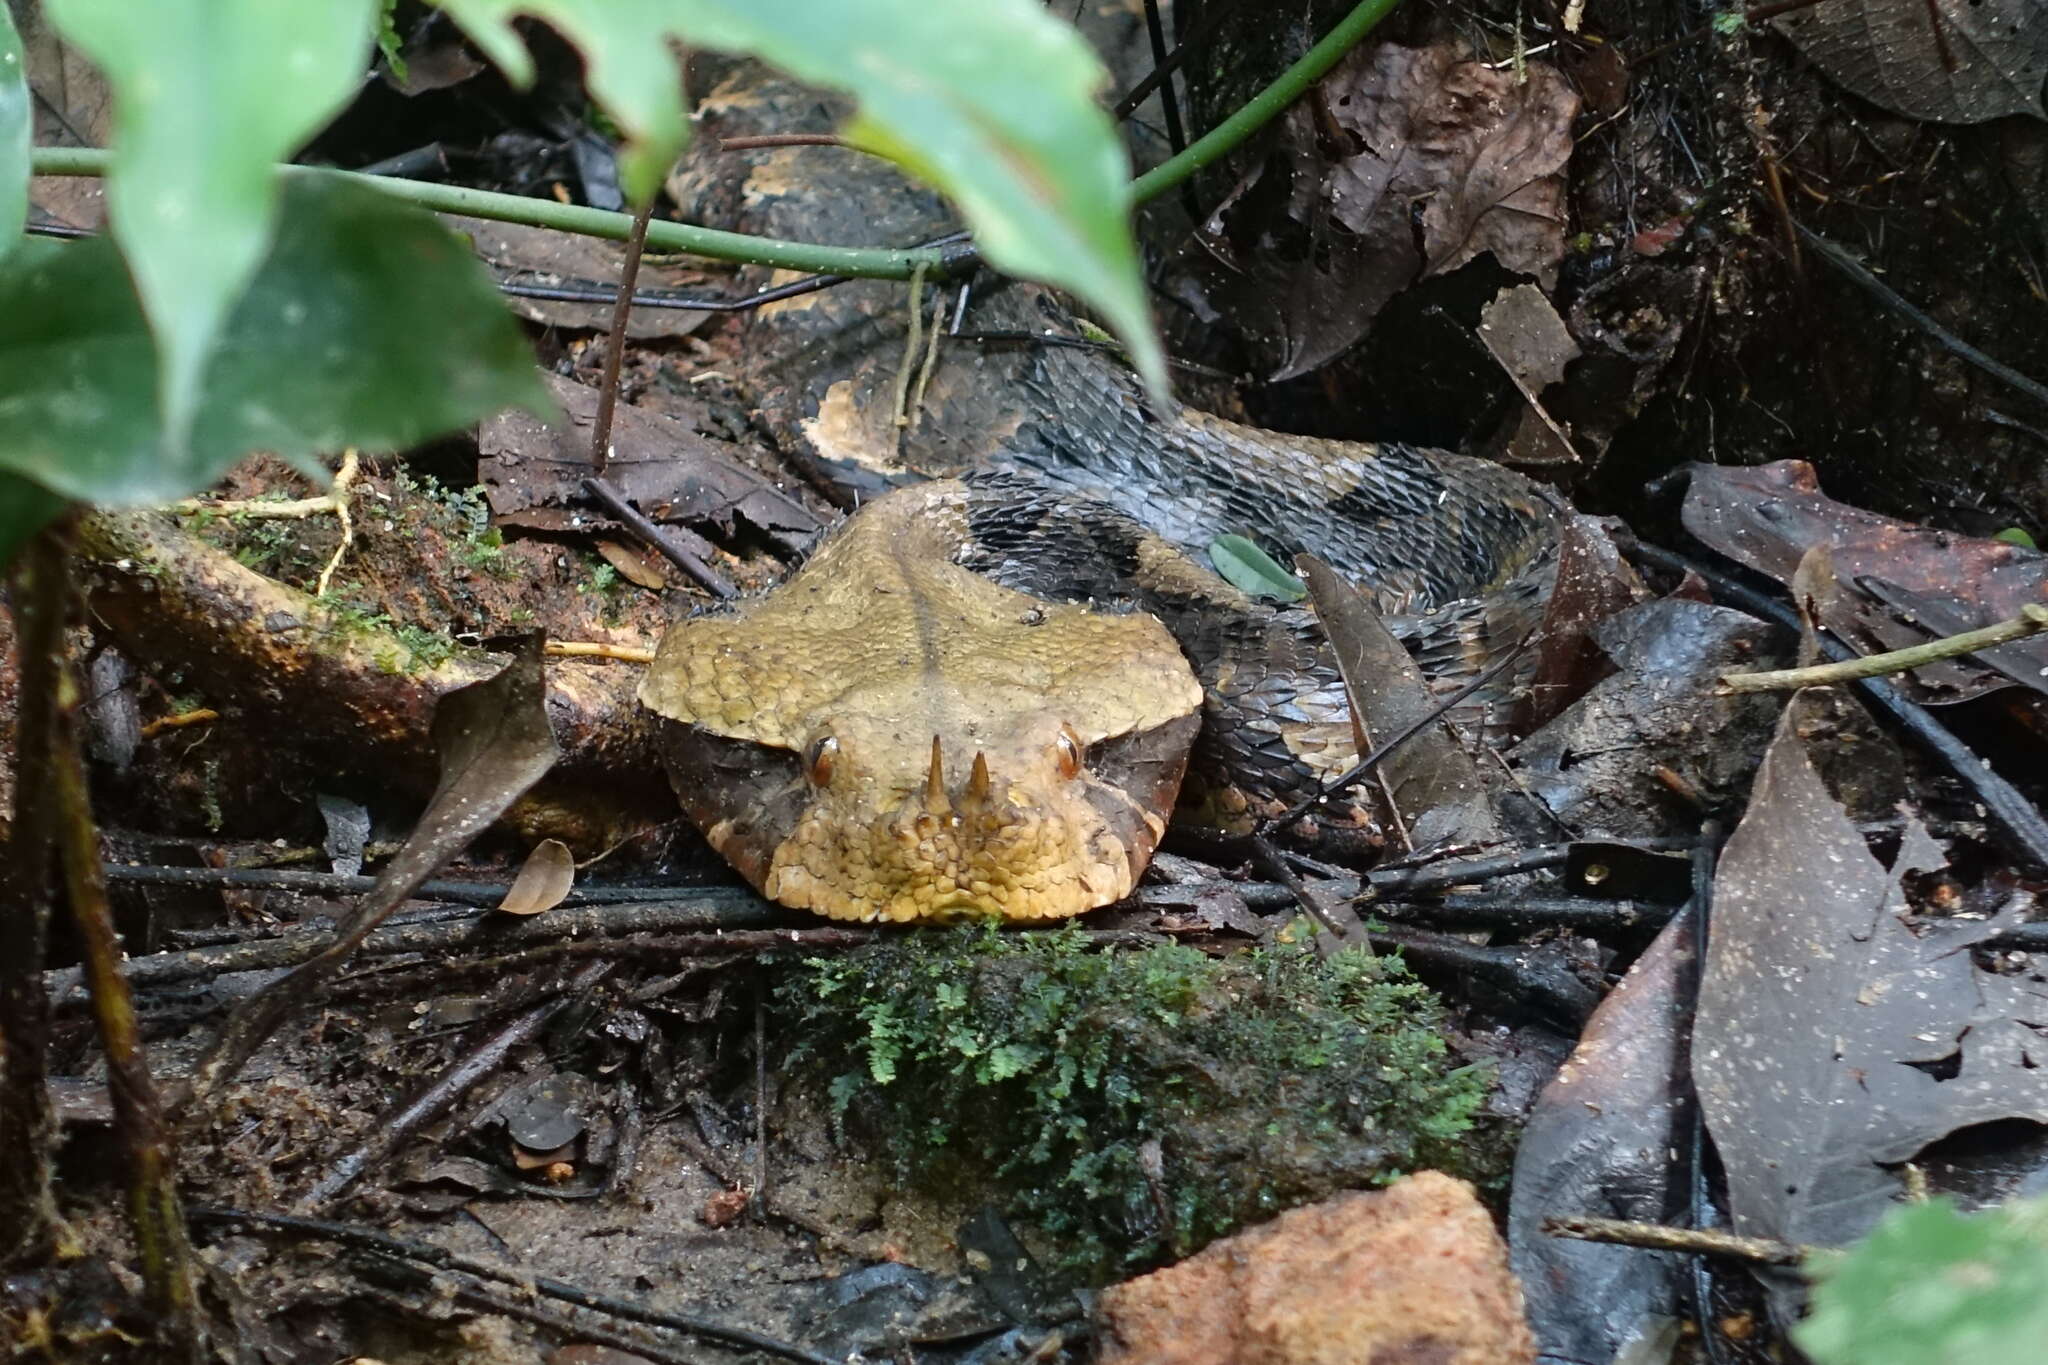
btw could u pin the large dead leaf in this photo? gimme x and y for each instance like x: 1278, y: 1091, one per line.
x: 1604, y: 1139
x: 1834, y: 1040
x: 1432, y: 783
x: 1953, y: 61
x: 1900, y: 584
x: 1309, y: 246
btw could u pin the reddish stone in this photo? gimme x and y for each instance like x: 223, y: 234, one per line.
x: 1411, y: 1275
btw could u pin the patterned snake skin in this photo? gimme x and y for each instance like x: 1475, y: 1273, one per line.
x: 1079, y: 486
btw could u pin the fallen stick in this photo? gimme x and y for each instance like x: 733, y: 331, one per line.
x: 2032, y: 620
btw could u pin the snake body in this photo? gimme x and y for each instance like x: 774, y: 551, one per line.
x: 1058, y: 484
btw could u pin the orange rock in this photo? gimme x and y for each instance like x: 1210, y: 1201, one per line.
x: 1411, y: 1275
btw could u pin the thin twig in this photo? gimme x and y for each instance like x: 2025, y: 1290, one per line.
x: 700, y: 573
x: 38, y: 595
x: 590, y: 649
x: 615, y: 345
x: 337, y: 493
x: 1896, y: 303
x: 153, y: 1208
x: 2007, y: 810
x: 1385, y: 751
x: 1659, y: 1237
x: 911, y: 337
x: 763, y: 141
x: 198, y: 715
x: 422, y: 1253
x: 2032, y: 620
x: 396, y: 1127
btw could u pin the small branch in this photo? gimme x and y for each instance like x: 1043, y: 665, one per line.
x: 2032, y: 620
x: 423, y: 1253
x: 198, y: 715
x: 1658, y: 1237
x: 1894, y: 302
x: 334, y: 500
x: 767, y: 140
x: 590, y: 649
x: 153, y: 1209
x: 1263, y: 107
x: 615, y: 347
x: 878, y: 263
x: 643, y: 526
x: 29, y: 1221
x: 2017, y: 820
x: 397, y: 1126
x: 1383, y: 752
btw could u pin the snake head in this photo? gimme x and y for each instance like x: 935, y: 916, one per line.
x: 890, y: 737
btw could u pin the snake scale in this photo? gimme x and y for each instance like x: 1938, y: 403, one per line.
x: 978, y: 697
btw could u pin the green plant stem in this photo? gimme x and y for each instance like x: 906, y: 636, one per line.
x: 1263, y: 107
x: 2032, y: 620
x: 154, y: 1215
x: 879, y: 263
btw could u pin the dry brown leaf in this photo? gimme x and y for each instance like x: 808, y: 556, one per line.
x: 1306, y: 250
x: 546, y: 878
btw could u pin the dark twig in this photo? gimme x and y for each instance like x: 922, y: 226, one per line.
x: 28, y: 1123
x: 1531, y: 976
x: 1895, y: 303
x: 1169, y: 104
x: 2009, y: 812
x: 1383, y: 752
x: 1705, y: 855
x: 1204, y: 26
x: 719, y: 912
x: 615, y: 345
x: 700, y: 573
x: 422, y: 1253
x: 1528, y: 913
x: 153, y: 1208
x: 1276, y: 867
x: 483, y: 894
x: 397, y: 1126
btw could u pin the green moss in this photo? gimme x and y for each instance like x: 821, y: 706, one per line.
x: 1247, y: 1084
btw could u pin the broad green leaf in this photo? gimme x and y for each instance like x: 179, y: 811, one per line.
x: 25, y: 508
x: 2017, y: 535
x: 14, y: 133
x: 1251, y: 570
x: 1932, y: 1286
x: 993, y: 102
x: 369, y: 324
x: 208, y: 96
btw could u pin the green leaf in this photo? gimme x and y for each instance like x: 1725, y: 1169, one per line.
x: 208, y: 96
x: 2017, y: 535
x: 369, y: 324
x: 1932, y: 1286
x: 14, y: 133
x: 1251, y: 570
x: 25, y: 508
x: 993, y: 102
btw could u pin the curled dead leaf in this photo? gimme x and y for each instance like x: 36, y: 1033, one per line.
x: 544, y: 880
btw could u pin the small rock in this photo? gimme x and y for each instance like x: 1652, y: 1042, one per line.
x: 1411, y: 1275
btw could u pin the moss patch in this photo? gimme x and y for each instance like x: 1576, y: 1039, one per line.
x: 1134, y: 1104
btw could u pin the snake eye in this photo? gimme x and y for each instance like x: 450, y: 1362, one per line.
x: 818, y: 759
x: 1068, y: 748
